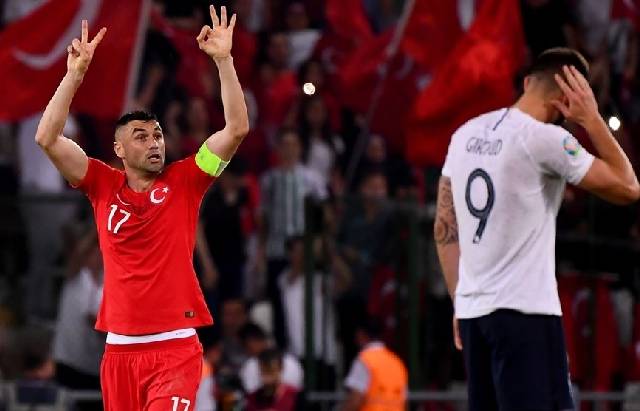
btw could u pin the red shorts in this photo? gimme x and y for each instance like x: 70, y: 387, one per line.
x: 157, y: 376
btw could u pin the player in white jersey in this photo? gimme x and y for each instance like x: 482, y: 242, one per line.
x: 498, y: 198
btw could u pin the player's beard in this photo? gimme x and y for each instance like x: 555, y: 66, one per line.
x: 152, y: 167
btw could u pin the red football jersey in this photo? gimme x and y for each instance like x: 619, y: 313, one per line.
x: 147, y: 241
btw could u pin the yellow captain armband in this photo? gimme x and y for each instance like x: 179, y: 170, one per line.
x: 209, y: 162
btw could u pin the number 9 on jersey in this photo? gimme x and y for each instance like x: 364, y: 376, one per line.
x: 481, y: 214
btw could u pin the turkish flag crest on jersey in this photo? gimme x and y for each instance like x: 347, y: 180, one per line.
x: 33, y: 56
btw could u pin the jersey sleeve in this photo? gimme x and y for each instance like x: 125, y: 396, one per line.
x: 198, y: 171
x: 446, y: 168
x: 358, y: 378
x: 556, y: 152
x: 100, y: 178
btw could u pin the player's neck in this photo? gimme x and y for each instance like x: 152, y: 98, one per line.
x: 534, y: 106
x: 139, y: 181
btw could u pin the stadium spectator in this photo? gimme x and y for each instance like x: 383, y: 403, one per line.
x: 275, y: 87
x: 232, y: 318
x: 274, y: 395
x: 302, y: 38
x: 212, y: 350
x: 225, y: 209
x: 77, y: 346
x: 292, y: 288
x: 255, y: 342
x: 323, y: 148
x: 35, y: 384
x: 283, y: 192
x: 377, y: 376
x: 197, y: 125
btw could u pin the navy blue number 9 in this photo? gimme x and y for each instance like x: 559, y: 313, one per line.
x: 480, y: 213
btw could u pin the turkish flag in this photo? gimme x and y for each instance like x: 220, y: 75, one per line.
x: 477, y: 77
x: 361, y: 74
x: 432, y: 30
x: 347, y: 29
x: 33, y: 55
x: 348, y: 20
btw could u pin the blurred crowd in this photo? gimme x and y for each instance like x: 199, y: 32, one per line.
x: 284, y: 208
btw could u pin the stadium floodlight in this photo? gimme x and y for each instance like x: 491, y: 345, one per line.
x: 614, y: 123
x: 309, y: 89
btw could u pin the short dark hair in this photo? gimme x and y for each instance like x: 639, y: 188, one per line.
x: 551, y: 61
x: 252, y: 331
x: 140, y: 115
x: 371, y: 326
x: 269, y: 356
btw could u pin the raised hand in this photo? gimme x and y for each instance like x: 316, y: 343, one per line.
x: 80, y: 52
x: 217, y: 41
x: 579, y: 104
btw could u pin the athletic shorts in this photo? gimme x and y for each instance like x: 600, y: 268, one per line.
x: 516, y: 362
x: 156, y: 376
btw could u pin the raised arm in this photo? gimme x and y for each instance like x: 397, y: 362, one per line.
x: 611, y: 176
x: 217, y: 42
x: 65, y: 154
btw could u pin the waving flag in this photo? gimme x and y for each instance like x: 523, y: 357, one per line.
x: 33, y: 55
x: 476, y: 77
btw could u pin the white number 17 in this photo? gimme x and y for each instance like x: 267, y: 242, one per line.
x: 177, y: 400
x: 126, y: 214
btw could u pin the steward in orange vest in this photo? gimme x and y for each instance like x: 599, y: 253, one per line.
x: 378, y: 379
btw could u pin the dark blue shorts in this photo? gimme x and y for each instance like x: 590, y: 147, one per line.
x: 516, y: 362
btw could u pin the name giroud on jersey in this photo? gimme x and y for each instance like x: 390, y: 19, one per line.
x: 482, y: 146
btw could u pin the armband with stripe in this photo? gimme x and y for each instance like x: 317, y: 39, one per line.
x: 209, y: 162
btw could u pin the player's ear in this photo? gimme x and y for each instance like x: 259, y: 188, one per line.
x: 526, y: 82
x: 118, y: 149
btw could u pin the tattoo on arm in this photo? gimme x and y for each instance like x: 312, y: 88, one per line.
x: 446, y: 225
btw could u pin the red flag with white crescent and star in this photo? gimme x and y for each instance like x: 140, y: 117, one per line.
x: 33, y: 55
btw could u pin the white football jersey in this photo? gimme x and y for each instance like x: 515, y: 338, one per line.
x: 508, y: 173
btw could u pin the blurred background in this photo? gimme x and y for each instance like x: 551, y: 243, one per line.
x: 324, y: 219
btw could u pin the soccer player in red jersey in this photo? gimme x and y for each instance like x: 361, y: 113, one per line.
x: 146, y: 219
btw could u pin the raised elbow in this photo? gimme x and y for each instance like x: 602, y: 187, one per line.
x: 625, y: 194
x: 240, y: 130
x: 631, y: 193
x: 42, y: 141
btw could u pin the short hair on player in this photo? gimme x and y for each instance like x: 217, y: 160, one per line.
x: 269, y: 357
x: 551, y: 61
x: 139, y: 115
x: 252, y: 331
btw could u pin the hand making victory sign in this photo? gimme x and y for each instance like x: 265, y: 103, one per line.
x: 217, y: 41
x: 81, y: 51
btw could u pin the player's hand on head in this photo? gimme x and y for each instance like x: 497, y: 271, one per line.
x: 579, y: 104
x: 80, y: 52
x: 217, y: 41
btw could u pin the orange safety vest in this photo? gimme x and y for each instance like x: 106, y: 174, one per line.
x: 207, y: 370
x: 388, y: 382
